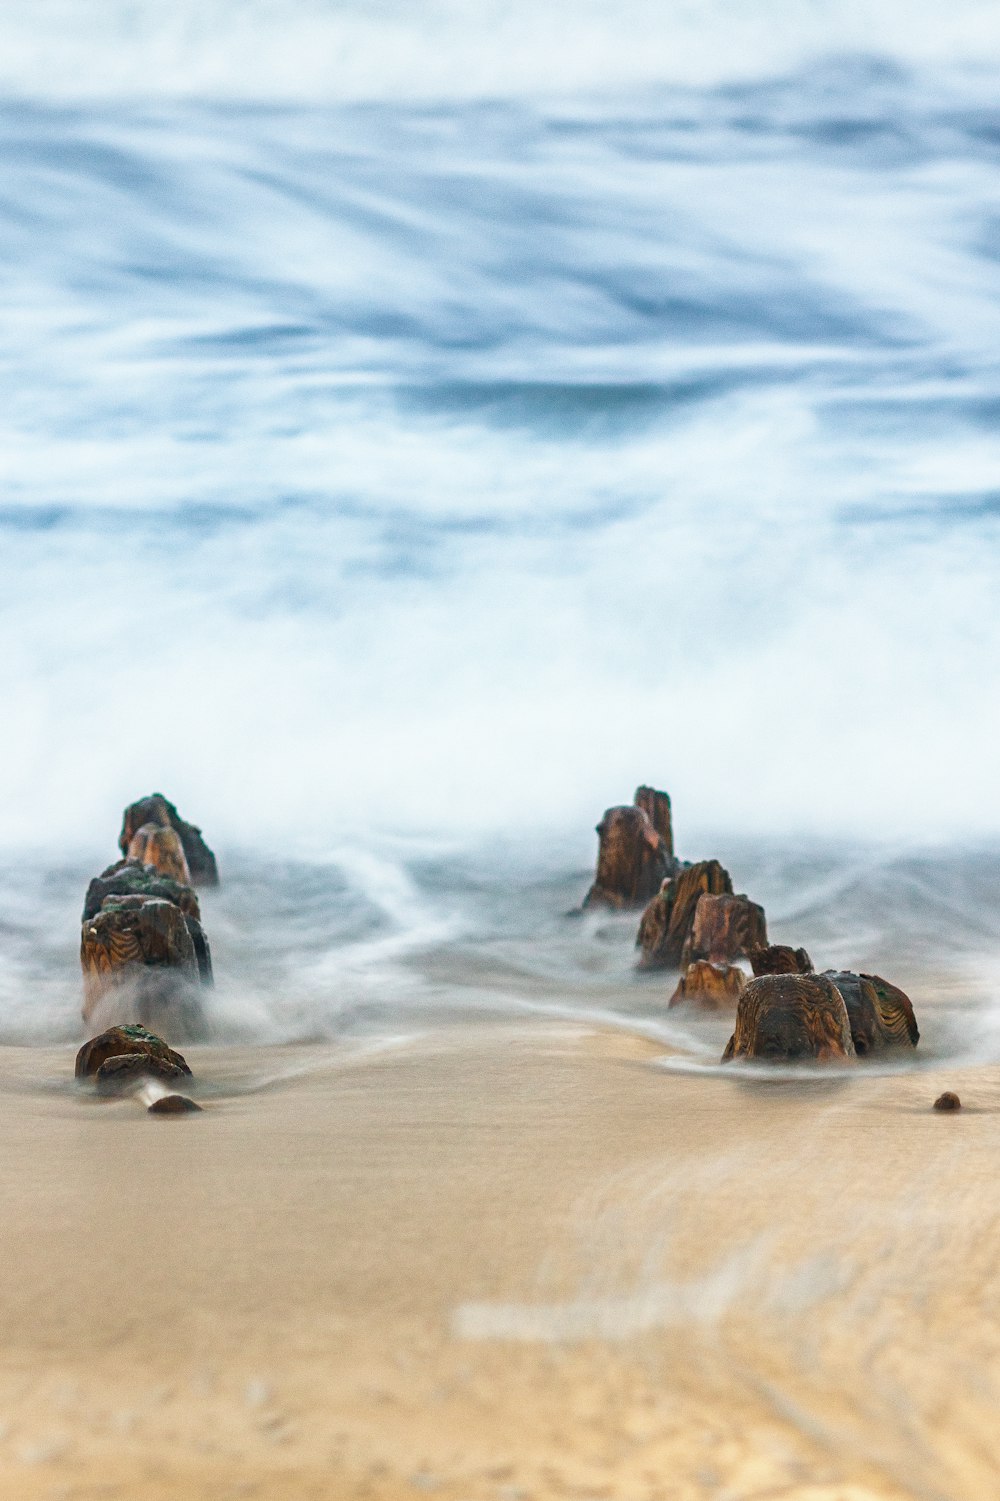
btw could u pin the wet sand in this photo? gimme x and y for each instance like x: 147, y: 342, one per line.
x: 507, y: 1262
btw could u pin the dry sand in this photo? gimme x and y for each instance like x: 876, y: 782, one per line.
x: 502, y: 1262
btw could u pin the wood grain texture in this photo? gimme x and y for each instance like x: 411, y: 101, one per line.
x: 119, y: 1042
x: 668, y: 918
x: 725, y: 927
x: 631, y: 860
x: 789, y: 1017
x: 713, y: 987
x: 880, y: 1014
x: 152, y: 844
x: 896, y: 1011
x: 139, y: 945
x: 656, y: 806
x: 133, y: 878
x: 157, y: 809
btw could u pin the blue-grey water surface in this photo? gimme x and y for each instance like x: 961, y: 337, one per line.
x: 402, y: 459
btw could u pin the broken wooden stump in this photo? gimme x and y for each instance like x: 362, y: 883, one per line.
x: 132, y: 1061
x: 157, y: 810
x: 714, y: 987
x: 867, y: 1032
x: 791, y: 1017
x: 877, y: 1022
x: 656, y: 806
x: 724, y: 928
x: 152, y: 844
x: 140, y: 964
x: 667, y: 920
x: 779, y: 959
x: 896, y: 1010
x: 132, y: 878
x: 122, y: 1073
x: 631, y: 860
x: 118, y: 1042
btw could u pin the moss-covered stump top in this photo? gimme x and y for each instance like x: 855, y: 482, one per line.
x: 116, y: 1042
x: 136, y: 930
x: 157, y: 809
x: 133, y: 878
x: 877, y: 1021
x: 125, y: 1071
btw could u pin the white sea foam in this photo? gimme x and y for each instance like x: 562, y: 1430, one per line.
x: 336, y: 49
x: 459, y: 467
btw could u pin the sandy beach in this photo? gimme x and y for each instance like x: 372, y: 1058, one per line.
x: 499, y: 1261
x: 495, y: 476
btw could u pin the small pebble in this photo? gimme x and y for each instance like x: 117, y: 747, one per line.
x: 947, y: 1101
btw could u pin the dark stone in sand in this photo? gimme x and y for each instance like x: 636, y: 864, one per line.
x: 779, y: 959
x: 876, y: 1023
x: 156, y: 809
x: 725, y: 927
x: 172, y: 1104
x: 632, y: 860
x: 667, y: 920
x: 788, y: 1017
x: 123, y: 1072
x: 116, y: 1042
x: 714, y: 987
x: 947, y: 1101
x: 132, y: 878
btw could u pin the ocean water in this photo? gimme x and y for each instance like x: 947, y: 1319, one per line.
x: 392, y: 441
x: 419, y: 427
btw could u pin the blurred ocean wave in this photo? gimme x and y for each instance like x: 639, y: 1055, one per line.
x: 295, y: 49
x: 505, y: 447
x: 433, y: 446
x: 369, y: 935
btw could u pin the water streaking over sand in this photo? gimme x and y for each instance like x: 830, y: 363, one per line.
x: 376, y: 935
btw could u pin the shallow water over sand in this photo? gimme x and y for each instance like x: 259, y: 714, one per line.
x: 382, y: 933
x: 467, y: 1210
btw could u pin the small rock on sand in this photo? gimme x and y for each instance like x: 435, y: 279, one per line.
x: 947, y: 1101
